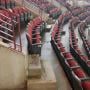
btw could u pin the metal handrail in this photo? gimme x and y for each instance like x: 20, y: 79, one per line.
x: 11, y: 24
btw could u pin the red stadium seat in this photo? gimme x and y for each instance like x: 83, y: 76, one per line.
x: 72, y: 63
x: 62, y: 49
x: 86, y: 85
x: 79, y: 72
x: 68, y: 55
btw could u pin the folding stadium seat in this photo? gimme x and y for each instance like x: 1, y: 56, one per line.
x: 84, y: 57
x: 53, y: 35
x: 86, y: 85
x: 68, y: 55
x: 78, y: 50
x: 79, y: 72
x: 74, y: 40
x: 72, y: 63
x: 60, y: 45
x: 75, y: 47
x: 60, y: 20
x: 62, y: 49
x: 34, y: 31
x: 23, y: 13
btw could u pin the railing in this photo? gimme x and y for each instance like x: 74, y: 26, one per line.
x: 7, y: 31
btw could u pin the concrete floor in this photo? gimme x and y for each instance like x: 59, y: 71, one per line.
x: 65, y: 38
x: 48, y: 54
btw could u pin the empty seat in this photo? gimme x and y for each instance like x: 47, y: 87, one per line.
x: 72, y: 63
x: 67, y: 55
x: 86, y: 85
x: 79, y: 72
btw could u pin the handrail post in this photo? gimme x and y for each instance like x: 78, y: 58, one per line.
x: 18, y: 20
x: 14, y: 38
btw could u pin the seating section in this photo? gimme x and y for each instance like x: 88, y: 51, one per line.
x: 66, y: 18
x: 7, y: 4
x: 12, y: 17
x: 79, y: 66
x: 47, y: 7
x: 85, y: 41
x: 34, y: 33
x: 23, y: 13
x: 54, y: 13
x: 74, y: 48
x: 75, y: 64
x: 71, y: 67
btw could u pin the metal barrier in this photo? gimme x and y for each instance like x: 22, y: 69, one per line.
x: 7, y: 31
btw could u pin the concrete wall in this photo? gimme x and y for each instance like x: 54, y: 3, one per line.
x: 13, y: 67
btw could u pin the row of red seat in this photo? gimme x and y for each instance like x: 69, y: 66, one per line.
x: 47, y: 7
x: 7, y: 3
x: 10, y: 18
x: 33, y: 36
x: 74, y: 45
x: 69, y: 61
x: 54, y: 13
x: 74, y: 22
x: 81, y: 29
x: 64, y: 18
x: 21, y: 12
x: 7, y: 22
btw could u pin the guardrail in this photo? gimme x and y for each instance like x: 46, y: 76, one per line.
x: 7, y: 31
